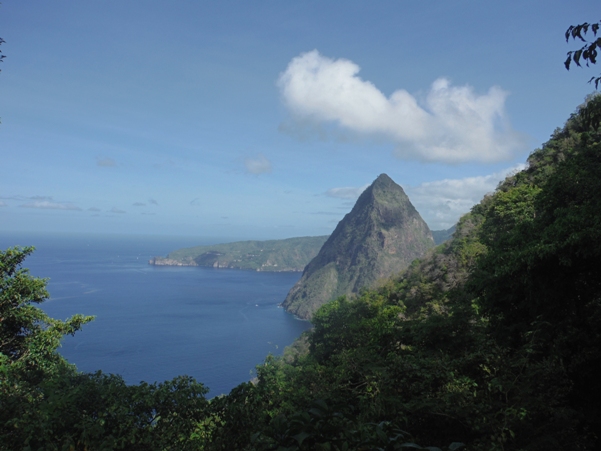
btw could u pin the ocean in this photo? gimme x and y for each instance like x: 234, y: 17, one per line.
x: 157, y: 322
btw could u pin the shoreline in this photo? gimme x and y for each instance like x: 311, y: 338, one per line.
x: 164, y: 261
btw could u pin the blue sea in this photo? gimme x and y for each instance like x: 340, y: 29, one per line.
x: 155, y: 322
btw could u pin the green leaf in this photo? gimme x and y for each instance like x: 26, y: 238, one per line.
x: 300, y: 437
x: 577, y: 55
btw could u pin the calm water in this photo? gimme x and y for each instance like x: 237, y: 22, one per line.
x: 154, y: 323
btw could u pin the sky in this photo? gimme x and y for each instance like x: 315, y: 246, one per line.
x: 267, y: 119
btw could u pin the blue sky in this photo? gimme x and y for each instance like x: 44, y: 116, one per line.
x: 265, y: 119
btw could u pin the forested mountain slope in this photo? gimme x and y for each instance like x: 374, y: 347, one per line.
x: 492, y: 341
x: 381, y: 236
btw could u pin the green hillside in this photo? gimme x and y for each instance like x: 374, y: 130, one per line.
x: 291, y: 254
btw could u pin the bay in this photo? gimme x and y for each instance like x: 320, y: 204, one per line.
x: 155, y: 322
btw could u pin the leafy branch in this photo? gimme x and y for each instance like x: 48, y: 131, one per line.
x: 2, y: 41
x: 588, y: 52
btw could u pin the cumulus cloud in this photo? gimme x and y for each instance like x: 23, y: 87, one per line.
x: 258, y: 165
x: 117, y: 210
x: 346, y: 192
x: 93, y: 209
x: 106, y: 162
x: 50, y: 205
x: 441, y: 203
x: 452, y: 125
x: 139, y: 204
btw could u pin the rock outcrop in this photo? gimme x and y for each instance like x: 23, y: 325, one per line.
x: 381, y: 236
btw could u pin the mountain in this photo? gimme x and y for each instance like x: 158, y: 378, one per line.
x: 381, y: 236
x: 291, y: 254
x: 440, y: 236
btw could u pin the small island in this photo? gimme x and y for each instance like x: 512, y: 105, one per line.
x: 291, y: 254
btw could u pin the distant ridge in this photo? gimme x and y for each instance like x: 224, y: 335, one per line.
x: 440, y: 236
x: 290, y: 254
x: 381, y: 236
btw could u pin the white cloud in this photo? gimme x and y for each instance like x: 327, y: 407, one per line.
x: 258, y: 165
x: 3, y: 204
x: 139, y: 204
x: 116, y: 210
x: 441, y: 203
x: 346, y: 192
x: 50, y: 205
x: 453, y: 125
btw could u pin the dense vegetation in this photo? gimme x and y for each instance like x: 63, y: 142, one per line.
x: 291, y: 254
x: 492, y: 340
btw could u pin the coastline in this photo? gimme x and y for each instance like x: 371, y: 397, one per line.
x: 165, y: 261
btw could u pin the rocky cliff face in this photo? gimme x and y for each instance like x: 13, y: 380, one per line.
x: 381, y: 236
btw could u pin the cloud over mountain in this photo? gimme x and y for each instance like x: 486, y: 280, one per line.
x: 453, y: 125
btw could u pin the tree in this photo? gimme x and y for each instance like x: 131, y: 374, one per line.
x: 2, y: 41
x: 45, y: 403
x: 28, y: 337
x: 588, y: 52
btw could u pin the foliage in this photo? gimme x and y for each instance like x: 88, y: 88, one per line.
x: 28, y: 337
x: 325, y: 428
x: 491, y: 339
x: 2, y: 41
x: 588, y: 52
